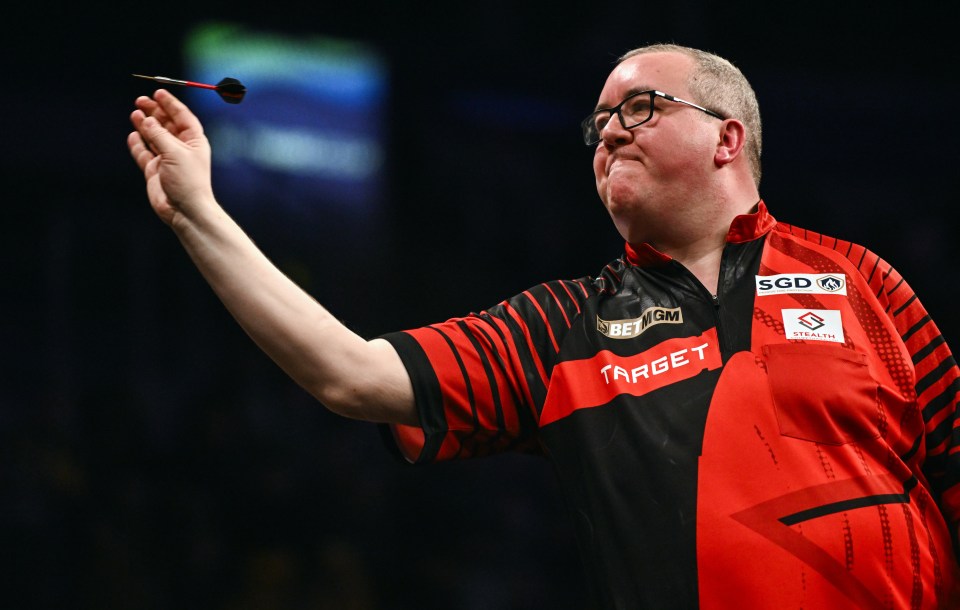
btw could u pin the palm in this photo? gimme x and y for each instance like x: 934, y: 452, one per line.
x: 176, y: 164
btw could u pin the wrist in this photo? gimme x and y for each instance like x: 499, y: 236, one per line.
x: 200, y: 211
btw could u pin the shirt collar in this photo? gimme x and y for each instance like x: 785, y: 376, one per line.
x: 744, y: 228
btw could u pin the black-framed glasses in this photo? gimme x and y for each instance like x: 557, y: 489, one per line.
x: 635, y: 109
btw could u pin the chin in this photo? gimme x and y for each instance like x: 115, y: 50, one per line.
x: 623, y: 192
x: 634, y: 222
x: 623, y: 203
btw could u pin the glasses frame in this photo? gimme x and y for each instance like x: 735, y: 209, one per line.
x: 592, y: 135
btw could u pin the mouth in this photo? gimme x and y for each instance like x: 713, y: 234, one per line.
x: 619, y: 161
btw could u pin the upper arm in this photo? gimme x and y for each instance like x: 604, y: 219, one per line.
x: 392, y: 400
x: 374, y: 386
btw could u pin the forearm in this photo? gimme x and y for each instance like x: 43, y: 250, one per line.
x: 350, y: 375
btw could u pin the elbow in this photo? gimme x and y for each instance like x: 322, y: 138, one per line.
x: 369, y: 384
x: 372, y: 405
x: 343, y: 401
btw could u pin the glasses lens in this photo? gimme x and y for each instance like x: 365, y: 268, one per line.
x: 634, y: 110
x: 637, y: 109
x: 593, y: 125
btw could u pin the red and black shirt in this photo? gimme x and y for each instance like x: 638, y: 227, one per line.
x: 791, y: 441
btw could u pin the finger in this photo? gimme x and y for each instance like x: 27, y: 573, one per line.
x: 155, y: 138
x: 183, y: 121
x: 150, y: 107
x: 137, y: 117
x: 139, y: 150
x: 154, y: 188
x: 146, y: 104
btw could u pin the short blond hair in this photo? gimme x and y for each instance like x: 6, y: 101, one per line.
x: 720, y: 86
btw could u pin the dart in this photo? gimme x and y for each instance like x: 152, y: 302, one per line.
x: 230, y: 90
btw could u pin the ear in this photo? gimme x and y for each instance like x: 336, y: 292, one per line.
x: 732, y: 138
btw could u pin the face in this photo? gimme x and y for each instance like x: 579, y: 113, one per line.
x: 650, y: 177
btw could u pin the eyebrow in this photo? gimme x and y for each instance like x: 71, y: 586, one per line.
x: 630, y: 91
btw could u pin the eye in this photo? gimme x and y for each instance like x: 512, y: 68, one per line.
x: 636, y: 109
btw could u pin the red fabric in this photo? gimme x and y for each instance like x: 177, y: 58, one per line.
x: 821, y: 462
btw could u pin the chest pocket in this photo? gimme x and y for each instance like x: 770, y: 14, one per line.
x: 823, y: 393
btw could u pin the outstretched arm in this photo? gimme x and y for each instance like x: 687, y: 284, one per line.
x: 351, y: 376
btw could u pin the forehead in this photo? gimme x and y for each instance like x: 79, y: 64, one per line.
x: 666, y: 72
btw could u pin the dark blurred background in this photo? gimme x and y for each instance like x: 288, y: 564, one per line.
x: 152, y: 457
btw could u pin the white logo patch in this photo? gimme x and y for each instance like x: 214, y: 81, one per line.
x: 801, y: 283
x: 813, y: 325
x: 628, y: 329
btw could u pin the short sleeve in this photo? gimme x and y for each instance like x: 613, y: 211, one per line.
x: 480, y: 381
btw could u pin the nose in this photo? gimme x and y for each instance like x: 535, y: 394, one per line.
x: 614, y: 134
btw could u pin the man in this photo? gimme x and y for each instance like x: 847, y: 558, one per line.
x: 742, y: 414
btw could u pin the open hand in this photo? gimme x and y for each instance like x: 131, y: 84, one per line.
x: 170, y: 148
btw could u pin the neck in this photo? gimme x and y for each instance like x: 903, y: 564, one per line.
x: 701, y: 258
x: 701, y: 250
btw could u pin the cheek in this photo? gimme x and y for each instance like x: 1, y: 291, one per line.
x: 600, y: 169
x: 691, y: 150
x: 599, y: 163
